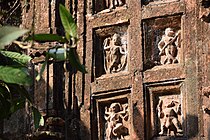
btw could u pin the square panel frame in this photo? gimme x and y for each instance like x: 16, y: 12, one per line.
x: 99, y: 101
x: 152, y: 92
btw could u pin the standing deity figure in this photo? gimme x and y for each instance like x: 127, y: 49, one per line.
x: 168, y: 46
x: 115, y: 54
x: 115, y: 117
x: 115, y: 3
x: 168, y: 116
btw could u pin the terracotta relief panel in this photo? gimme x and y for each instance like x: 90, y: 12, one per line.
x: 168, y: 46
x: 116, y: 116
x: 108, y: 5
x: 110, y: 50
x: 162, y: 41
x: 169, y: 115
x: 115, y: 53
x: 112, y: 116
x: 166, y: 111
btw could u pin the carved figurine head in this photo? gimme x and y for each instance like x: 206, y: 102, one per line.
x: 116, y: 39
x: 169, y: 32
x: 115, y: 107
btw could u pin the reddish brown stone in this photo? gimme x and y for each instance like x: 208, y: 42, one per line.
x: 145, y: 81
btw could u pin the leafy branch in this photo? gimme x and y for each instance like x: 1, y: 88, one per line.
x: 66, y: 53
x: 14, y: 75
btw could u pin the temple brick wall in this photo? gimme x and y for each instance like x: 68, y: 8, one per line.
x: 148, y: 69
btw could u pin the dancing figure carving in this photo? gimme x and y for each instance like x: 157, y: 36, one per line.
x: 115, y: 117
x: 115, y: 54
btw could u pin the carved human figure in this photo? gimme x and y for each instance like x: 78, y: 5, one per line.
x: 168, y: 116
x: 115, y: 3
x: 115, y: 116
x: 115, y: 54
x: 168, y: 46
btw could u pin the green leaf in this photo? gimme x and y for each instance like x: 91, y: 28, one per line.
x: 37, y: 117
x: 6, y: 61
x: 4, y: 91
x: 20, y: 58
x: 67, y: 36
x: 74, y: 60
x: 41, y: 121
x: 38, y: 77
x: 9, y: 34
x: 68, y: 22
x: 47, y: 38
x: 15, y: 75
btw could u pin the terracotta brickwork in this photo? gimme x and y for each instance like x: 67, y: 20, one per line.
x: 166, y: 71
x: 148, y: 69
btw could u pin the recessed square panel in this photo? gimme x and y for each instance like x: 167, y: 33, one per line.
x: 165, y: 111
x: 110, y: 50
x: 162, y: 41
x: 108, y: 5
x: 112, y: 116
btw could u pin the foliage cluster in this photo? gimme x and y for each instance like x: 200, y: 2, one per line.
x: 14, y: 75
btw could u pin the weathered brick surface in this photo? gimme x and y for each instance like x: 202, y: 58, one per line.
x: 140, y: 87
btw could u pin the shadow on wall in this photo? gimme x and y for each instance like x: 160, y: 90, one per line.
x: 189, y: 127
x: 138, y: 122
x: 14, y: 127
x: 209, y: 132
x: 76, y: 130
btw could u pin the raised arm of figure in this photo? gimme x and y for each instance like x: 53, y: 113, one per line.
x: 106, y: 43
x: 123, y: 49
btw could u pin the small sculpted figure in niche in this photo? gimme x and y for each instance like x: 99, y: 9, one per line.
x: 168, y: 46
x: 109, y: 5
x: 115, y: 3
x: 115, y: 54
x: 115, y: 117
x: 168, y: 116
